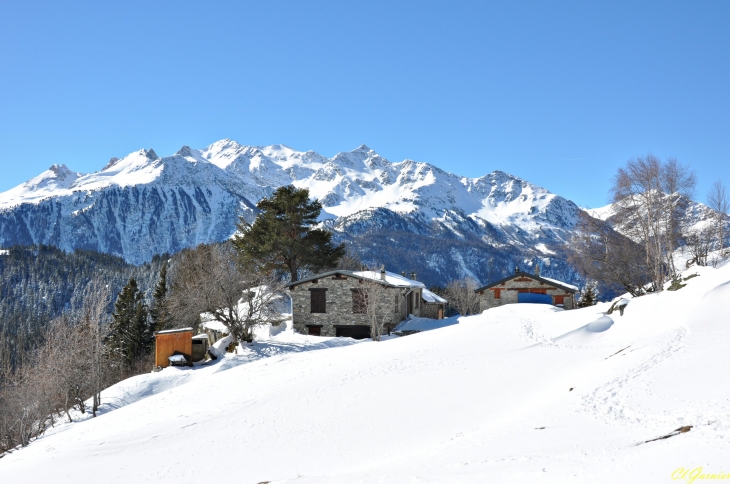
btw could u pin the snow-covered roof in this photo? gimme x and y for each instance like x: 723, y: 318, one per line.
x: 431, y: 297
x: 214, y: 324
x: 179, y: 330
x: 177, y: 358
x: 390, y: 277
x: 200, y: 336
x: 554, y: 282
x: 561, y: 283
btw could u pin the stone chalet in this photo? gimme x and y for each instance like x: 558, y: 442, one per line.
x: 331, y: 304
x: 522, y: 287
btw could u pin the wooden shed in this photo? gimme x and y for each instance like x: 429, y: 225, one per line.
x: 200, y: 346
x: 170, y: 341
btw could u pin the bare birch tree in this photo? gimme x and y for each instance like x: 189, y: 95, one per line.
x: 678, y: 184
x: 646, y: 194
x: 718, y: 201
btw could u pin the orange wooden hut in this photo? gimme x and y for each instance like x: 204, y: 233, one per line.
x: 172, y: 341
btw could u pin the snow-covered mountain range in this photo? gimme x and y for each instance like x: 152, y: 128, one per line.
x: 408, y: 215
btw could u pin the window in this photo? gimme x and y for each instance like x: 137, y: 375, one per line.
x: 397, y: 304
x: 359, y: 301
x: 315, y: 330
x: 318, y: 299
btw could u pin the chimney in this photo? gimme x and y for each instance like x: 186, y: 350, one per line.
x: 403, y: 273
x: 537, y: 270
x: 413, y: 276
x: 382, y: 273
x: 517, y: 269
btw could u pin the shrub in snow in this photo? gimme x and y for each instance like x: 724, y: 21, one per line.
x: 588, y: 296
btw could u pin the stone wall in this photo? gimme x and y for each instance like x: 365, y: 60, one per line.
x: 508, y: 293
x: 431, y: 310
x: 338, y: 304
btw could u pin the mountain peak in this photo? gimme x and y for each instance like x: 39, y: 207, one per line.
x: 112, y: 161
x: 150, y: 153
x: 362, y: 148
x: 56, y: 166
x: 184, y: 151
x: 61, y: 171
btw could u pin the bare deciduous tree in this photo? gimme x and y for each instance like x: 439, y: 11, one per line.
x: 211, y: 279
x: 374, y: 300
x: 718, y: 201
x: 678, y: 183
x: 63, y: 364
x: 699, y: 244
x: 67, y: 369
x: 462, y: 296
x: 95, y: 321
x: 351, y: 262
x: 645, y: 196
x: 600, y: 253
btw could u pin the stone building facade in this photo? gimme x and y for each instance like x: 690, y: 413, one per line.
x: 330, y: 304
x: 433, y: 305
x: 525, y: 287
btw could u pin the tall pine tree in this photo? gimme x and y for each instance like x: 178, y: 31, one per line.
x: 159, y: 312
x: 131, y: 334
x: 283, y: 238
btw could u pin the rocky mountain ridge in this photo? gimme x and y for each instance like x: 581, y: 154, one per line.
x: 414, y: 213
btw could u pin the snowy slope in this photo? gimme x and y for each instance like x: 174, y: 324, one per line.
x: 144, y: 204
x: 521, y: 393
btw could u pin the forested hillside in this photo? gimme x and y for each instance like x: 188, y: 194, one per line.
x: 38, y: 283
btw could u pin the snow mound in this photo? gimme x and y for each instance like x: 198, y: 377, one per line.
x: 425, y: 324
x: 584, y: 333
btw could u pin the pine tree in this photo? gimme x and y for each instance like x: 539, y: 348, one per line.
x: 588, y: 296
x: 159, y: 312
x: 131, y: 334
x: 282, y: 237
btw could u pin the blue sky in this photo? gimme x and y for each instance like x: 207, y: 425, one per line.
x: 559, y: 93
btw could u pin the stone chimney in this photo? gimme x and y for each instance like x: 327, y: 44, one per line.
x: 413, y: 276
x: 382, y: 273
x: 537, y: 270
x: 517, y: 269
x: 403, y: 273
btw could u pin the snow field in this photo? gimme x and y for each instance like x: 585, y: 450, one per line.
x: 486, y: 400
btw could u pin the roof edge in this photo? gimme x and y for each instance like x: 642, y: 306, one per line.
x: 339, y: 271
x: 532, y: 276
x: 172, y: 331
